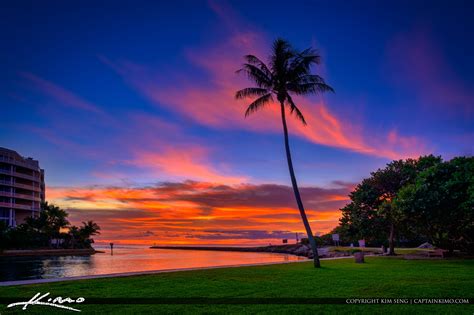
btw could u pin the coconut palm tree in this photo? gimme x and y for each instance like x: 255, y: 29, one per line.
x: 86, y: 231
x: 89, y: 228
x: 287, y: 74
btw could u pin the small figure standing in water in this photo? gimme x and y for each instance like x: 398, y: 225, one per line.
x: 111, y: 248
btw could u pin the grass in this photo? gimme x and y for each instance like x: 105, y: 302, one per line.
x: 379, y: 277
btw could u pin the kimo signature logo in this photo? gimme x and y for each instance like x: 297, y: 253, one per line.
x: 44, y: 300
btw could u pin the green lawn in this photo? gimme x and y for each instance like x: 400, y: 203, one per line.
x: 378, y: 277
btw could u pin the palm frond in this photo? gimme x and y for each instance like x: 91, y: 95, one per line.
x: 307, y: 56
x: 294, y: 109
x: 250, y: 92
x: 258, y: 104
x: 287, y: 73
x: 309, y: 88
x: 301, y: 63
x: 282, y: 55
x: 256, y: 75
x: 259, y: 63
x: 281, y: 46
x: 307, y: 84
x: 309, y: 78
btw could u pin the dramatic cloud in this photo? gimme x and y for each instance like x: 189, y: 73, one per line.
x: 190, y: 162
x: 210, y: 101
x: 196, y: 212
x: 246, y: 235
x: 153, y: 145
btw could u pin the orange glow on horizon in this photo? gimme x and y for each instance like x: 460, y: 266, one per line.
x: 195, y: 213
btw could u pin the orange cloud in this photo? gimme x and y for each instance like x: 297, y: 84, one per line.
x: 190, y: 162
x: 200, y: 212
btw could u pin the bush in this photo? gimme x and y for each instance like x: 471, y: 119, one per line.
x: 304, y: 241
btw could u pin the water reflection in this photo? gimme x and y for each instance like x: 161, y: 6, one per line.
x: 126, y: 259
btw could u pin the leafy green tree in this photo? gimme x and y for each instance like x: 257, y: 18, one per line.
x: 360, y: 218
x: 371, y: 212
x: 440, y: 204
x: 346, y: 234
x: 324, y: 240
x: 287, y: 74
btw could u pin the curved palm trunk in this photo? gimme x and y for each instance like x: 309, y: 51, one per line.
x: 297, y: 192
x: 391, y: 243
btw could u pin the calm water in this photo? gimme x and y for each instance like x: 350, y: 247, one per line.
x: 126, y: 259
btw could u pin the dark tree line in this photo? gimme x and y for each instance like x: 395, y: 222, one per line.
x: 412, y: 201
x: 50, y: 229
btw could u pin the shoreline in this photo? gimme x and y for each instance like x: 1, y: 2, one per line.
x: 292, y: 249
x: 49, y: 252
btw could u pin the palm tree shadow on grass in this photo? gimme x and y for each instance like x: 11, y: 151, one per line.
x: 287, y: 73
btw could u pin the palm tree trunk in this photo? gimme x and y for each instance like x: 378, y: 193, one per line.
x: 297, y: 192
x: 391, y: 244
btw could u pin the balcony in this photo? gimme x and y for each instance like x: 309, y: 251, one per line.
x: 6, y: 172
x: 18, y: 206
x: 6, y: 182
x: 30, y: 165
x: 27, y: 197
x: 28, y: 187
x: 25, y: 176
x: 17, y: 195
x: 5, y: 204
x: 24, y: 186
x: 6, y: 194
x: 22, y: 207
x: 20, y: 175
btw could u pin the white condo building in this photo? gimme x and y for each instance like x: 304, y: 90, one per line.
x: 22, y: 187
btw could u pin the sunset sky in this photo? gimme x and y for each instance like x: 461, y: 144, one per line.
x: 129, y: 108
